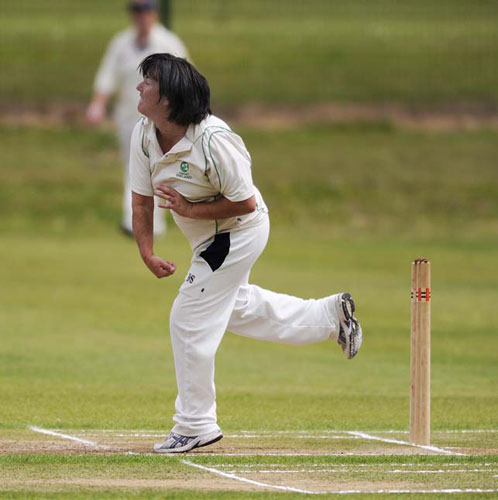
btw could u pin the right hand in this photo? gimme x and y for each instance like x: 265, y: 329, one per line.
x: 160, y: 268
x: 95, y: 114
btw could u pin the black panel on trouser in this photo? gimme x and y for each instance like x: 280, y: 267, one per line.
x: 216, y: 253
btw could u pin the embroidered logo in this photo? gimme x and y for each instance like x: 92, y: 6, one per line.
x: 190, y: 278
x: 184, y: 171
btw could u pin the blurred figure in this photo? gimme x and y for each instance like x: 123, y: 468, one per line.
x: 118, y: 75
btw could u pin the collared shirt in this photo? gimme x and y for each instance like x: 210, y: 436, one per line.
x: 208, y: 162
x: 118, y: 73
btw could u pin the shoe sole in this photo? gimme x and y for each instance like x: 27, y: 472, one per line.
x: 348, y: 307
x: 212, y: 441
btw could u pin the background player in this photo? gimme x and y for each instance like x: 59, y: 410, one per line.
x: 118, y: 74
x: 191, y: 159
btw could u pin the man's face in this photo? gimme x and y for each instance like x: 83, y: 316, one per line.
x: 149, y: 104
x: 143, y: 20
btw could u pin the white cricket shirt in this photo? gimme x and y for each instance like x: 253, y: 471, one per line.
x: 208, y: 162
x: 118, y: 74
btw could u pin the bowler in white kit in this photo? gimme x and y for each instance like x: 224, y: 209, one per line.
x: 201, y: 170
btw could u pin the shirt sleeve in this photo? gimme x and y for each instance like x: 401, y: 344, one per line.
x: 140, y: 173
x: 229, y: 165
x: 106, y: 80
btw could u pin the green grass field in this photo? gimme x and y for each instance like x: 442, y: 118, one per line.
x: 84, y: 325
x: 87, y: 383
x: 85, y: 350
x: 370, y: 179
x: 284, y: 51
x: 86, y: 337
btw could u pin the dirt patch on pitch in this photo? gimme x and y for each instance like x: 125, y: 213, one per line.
x: 200, y: 484
x: 231, y: 448
x: 62, y: 484
x: 82, y: 442
x: 21, y: 442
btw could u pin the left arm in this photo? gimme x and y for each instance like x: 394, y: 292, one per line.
x: 222, y: 208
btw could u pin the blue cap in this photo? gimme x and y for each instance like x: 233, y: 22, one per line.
x: 140, y: 6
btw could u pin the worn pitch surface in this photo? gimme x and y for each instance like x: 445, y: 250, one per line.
x: 346, y: 462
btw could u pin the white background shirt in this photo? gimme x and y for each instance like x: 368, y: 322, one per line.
x: 208, y: 162
x: 118, y: 70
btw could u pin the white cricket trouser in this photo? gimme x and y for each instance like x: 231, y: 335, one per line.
x: 210, y: 302
x: 125, y: 129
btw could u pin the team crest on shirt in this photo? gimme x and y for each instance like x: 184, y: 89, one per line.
x: 184, y: 171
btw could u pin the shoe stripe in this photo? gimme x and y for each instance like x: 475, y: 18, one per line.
x: 179, y: 441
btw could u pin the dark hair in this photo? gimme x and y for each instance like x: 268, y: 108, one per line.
x: 185, y: 88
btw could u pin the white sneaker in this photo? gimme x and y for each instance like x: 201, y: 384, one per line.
x: 350, y: 334
x: 176, y: 443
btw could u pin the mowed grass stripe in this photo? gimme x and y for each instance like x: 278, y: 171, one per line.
x: 98, y: 363
x: 318, y: 180
x: 278, y: 51
x: 121, y: 470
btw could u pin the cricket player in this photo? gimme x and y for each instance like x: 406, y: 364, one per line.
x: 118, y: 75
x: 201, y: 171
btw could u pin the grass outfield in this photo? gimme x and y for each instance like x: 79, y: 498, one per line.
x: 370, y: 179
x: 85, y: 347
x: 415, y: 51
x: 84, y: 337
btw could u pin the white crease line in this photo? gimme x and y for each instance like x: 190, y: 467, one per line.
x: 303, y: 431
x: 340, y: 492
x: 64, y: 436
x: 296, y: 454
x: 136, y: 435
x: 443, y: 431
x: 250, y: 481
x: 404, y: 443
x: 277, y: 471
x: 446, y: 490
x: 354, y: 467
x: 262, y: 433
x: 356, y: 434
x: 265, y: 485
x: 78, y: 440
x: 379, y: 431
x: 96, y: 445
x: 438, y: 471
x: 232, y: 436
x: 251, y: 432
x: 113, y: 431
x: 299, y: 436
x: 275, y: 433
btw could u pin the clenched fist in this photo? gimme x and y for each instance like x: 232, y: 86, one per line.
x: 160, y: 268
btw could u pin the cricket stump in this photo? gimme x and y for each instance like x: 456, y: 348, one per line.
x: 420, y: 363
